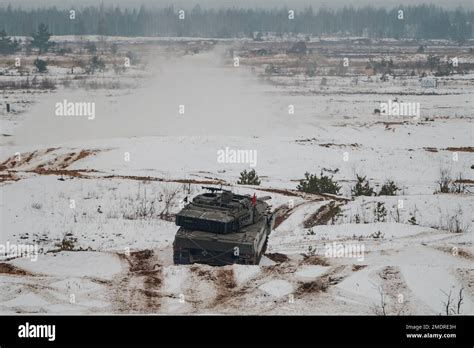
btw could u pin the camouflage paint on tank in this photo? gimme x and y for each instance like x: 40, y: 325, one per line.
x: 222, y: 228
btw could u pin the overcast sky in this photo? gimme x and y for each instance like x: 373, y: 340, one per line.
x: 237, y: 3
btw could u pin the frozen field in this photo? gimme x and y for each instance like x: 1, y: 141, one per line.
x: 91, y: 194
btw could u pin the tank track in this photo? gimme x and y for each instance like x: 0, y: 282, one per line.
x: 181, y: 258
x: 264, y: 249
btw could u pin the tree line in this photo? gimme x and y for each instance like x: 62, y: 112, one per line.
x: 39, y: 40
x: 418, y: 22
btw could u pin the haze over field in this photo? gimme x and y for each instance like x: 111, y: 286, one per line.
x: 216, y: 100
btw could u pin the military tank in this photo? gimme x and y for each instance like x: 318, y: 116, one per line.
x: 220, y: 228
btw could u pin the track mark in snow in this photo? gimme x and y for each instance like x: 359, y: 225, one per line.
x: 457, y: 252
x: 44, y: 162
x: 139, y: 289
x: 12, y: 270
x: 395, y: 291
x: 322, y: 283
x: 283, y: 212
x: 225, y: 283
x: 277, y: 257
x: 322, y: 215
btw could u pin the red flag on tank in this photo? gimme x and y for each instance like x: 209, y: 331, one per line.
x: 254, y: 200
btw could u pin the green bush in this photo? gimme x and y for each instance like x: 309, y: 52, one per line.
x: 380, y: 213
x: 95, y: 64
x: 270, y: 69
x: 362, y: 187
x: 249, y: 178
x: 388, y: 189
x: 41, y: 65
x: 258, y: 37
x: 324, y: 184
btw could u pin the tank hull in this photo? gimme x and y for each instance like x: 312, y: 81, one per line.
x: 243, y: 247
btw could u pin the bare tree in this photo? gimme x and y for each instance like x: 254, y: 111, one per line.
x: 383, y: 304
x: 460, y: 301
x: 381, y: 308
x: 140, y: 207
x: 396, y: 215
x: 447, y: 303
x: 169, y: 194
x: 456, y: 223
x: 452, y: 306
x: 444, y: 181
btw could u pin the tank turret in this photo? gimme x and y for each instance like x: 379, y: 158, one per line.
x: 221, y: 227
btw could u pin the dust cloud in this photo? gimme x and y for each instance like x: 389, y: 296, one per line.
x: 217, y: 99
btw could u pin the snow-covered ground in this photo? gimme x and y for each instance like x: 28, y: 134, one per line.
x: 90, y: 194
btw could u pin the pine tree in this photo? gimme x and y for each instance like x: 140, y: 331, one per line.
x: 249, y: 178
x: 322, y: 184
x: 7, y: 45
x: 41, y: 39
x: 362, y: 187
x: 389, y: 188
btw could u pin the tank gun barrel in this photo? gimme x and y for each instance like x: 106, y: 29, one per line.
x: 212, y: 189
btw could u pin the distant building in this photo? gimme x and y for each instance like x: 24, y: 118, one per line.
x: 298, y: 48
x: 429, y: 82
